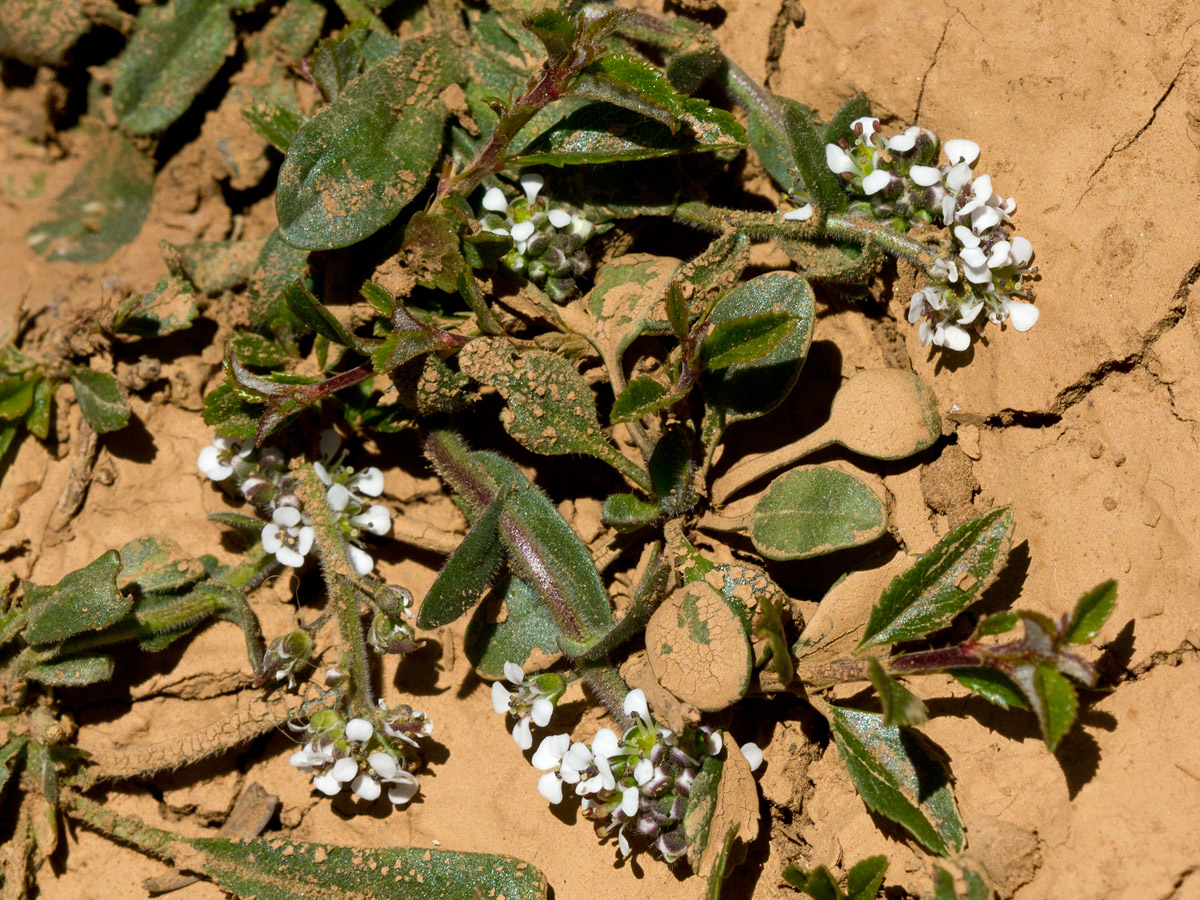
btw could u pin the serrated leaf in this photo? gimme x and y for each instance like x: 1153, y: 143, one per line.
x: 641, y: 397
x: 102, y: 209
x: 626, y: 513
x: 100, y: 398
x: 271, y: 869
x: 897, y: 777
x: 174, y: 54
x: 551, y: 408
x: 527, y: 632
x: 744, y: 339
x: 229, y: 414
x: 865, y: 878
x: 363, y: 158
x: 169, y: 307
x: 1090, y: 614
x: 75, y: 672
x: 604, y: 133
x: 824, y: 187
x: 312, y: 312
x: 1052, y: 697
x: 555, y: 30
x: 900, y: 705
x: 84, y: 600
x: 748, y: 390
x: 467, y: 573
x: 814, y: 510
x: 993, y: 686
x: 943, y: 582
x: 632, y: 83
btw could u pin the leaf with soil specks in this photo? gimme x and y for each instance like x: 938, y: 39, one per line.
x: 174, y: 54
x: 84, y: 600
x: 897, y: 777
x: 528, y: 631
x: 744, y: 339
x: 101, y: 399
x: 816, y: 510
x: 723, y: 795
x: 943, y: 582
x: 74, y: 672
x: 364, y: 157
x: 102, y: 209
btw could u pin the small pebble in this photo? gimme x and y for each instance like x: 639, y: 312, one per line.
x: 1110, y: 503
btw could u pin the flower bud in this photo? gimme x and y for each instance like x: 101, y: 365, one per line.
x: 284, y: 655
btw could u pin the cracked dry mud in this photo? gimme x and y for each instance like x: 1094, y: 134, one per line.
x: 1090, y: 115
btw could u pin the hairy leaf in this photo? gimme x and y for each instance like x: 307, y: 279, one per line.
x: 824, y: 187
x: 641, y: 397
x: 84, y: 600
x: 156, y: 564
x: 814, y: 510
x: 101, y: 399
x: 74, y: 672
x: 943, y: 582
x: 626, y: 513
x: 467, y: 573
x: 169, y: 307
x: 528, y: 634
x: 897, y: 777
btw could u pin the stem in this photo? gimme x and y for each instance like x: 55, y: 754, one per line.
x: 928, y: 661
x: 610, y: 689
x: 154, y: 841
x: 339, y: 580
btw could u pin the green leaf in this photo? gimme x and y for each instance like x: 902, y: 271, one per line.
x: 37, y: 420
x: 157, y: 564
x: 641, y: 397
x: 1054, y: 700
x: 1090, y: 614
x: 997, y: 623
x: 229, y: 414
x: 279, y: 265
x: 101, y: 399
x: 814, y: 510
x: 555, y: 30
x: 767, y: 128
x: 671, y: 466
x: 818, y: 884
x: 900, y: 705
x: 745, y: 339
x: 272, y: 868
x: 364, y: 157
x: 632, y: 83
x: 604, y: 133
x: 102, y: 209
x: 169, y: 307
x: 213, y: 267
x: 527, y: 633
x: 864, y: 880
x: 173, y: 55
x: 625, y: 303
x: 337, y: 61
x: 256, y: 350
x: 247, y: 527
x: 9, y: 754
x: 678, y: 313
x: 824, y: 187
x: 74, y: 672
x: 993, y: 686
x: 84, y: 600
x: 16, y: 395
x: 715, y: 272
x: 312, y: 312
x: 943, y: 582
x: 467, y: 573
x: 551, y: 408
x: 626, y: 513
x: 8, y: 433
x: 838, y: 128
x: 275, y: 124
x: 897, y: 777
x: 748, y: 390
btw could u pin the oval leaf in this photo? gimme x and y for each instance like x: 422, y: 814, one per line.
x: 364, y: 157
x: 816, y: 510
x: 100, y: 399
x: 1090, y: 613
x: 943, y: 582
x: 85, y: 600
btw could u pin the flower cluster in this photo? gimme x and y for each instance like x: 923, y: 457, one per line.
x: 636, y: 786
x: 532, y: 703
x: 354, y: 755
x: 547, y: 240
x: 264, y: 480
x: 983, y: 274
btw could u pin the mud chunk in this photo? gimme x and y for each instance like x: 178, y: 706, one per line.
x: 949, y: 484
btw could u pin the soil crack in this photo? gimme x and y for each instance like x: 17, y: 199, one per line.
x: 790, y: 13
x: 916, y: 119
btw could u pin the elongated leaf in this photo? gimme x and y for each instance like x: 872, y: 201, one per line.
x: 84, y: 600
x: 467, y: 573
x: 102, y: 209
x: 897, y: 777
x: 40, y: 32
x: 863, y: 881
x: 641, y: 397
x: 16, y: 395
x: 824, y: 187
x: 744, y: 339
x: 814, y: 510
x: 275, y: 124
x: 604, y: 133
x: 37, y: 419
x: 229, y: 414
x: 627, y: 513
x: 838, y: 127
x: 748, y: 390
x: 74, y: 672
x: 100, y: 398
x: 312, y: 312
x: 363, y: 158
x: 256, y: 350
x: 1051, y: 696
x: 634, y: 84
x: 175, y: 52
x: 528, y: 635
x: 671, y: 466
x: 1090, y: 613
x: 943, y: 582
x: 551, y: 408
x: 993, y: 686
x: 900, y: 705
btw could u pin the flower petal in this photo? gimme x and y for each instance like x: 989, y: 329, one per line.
x: 369, y: 482
x: 304, y: 540
x: 1022, y: 315
x: 327, y: 785
x: 403, y: 790
x: 360, y: 560
x: 838, y: 160
x: 1022, y: 251
x: 337, y: 497
x: 359, y: 730
x: 514, y: 672
x: 629, y: 801
x: 523, y: 231
x: 635, y: 704
x: 366, y: 787
x: 925, y: 176
x: 501, y: 698
x: 605, y: 744
x: 956, y: 338
x: 286, y: 516
x: 522, y: 734
x: 800, y: 214
x: 550, y: 787
x: 877, y: 181
x: 493, y: 201
x: 962, y: 151
x: 289, y: 557
x: 270, y: 538
x: 551, y: 751
x: 559, y: 218
x: 531, y: 183
x: 542, y: 710
x: 966, y: 236
x: 377, y: 519
x: 345, y: 769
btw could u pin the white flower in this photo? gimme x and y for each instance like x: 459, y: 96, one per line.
x: 800, y: 214
x: 376, y: 520
x: 369, y: 482
x: 360, y: 560
x: 925, y: 176
x: 366, y: 787
x: 839, y: 161
x: 523, y: 231
x: 635, y: 705
x: 359, y: 730
x: 865, y: 129
x: 493, y: 201
x: 218, y: 458
x: 337, y: 497
x: 753, y: 755
x: 403, y: 787
x: 531, y: 183
x: 286, y: 538
x: 522, y: 733
x: 962, y: 151
x: 559, y: 218
x: 501, y: 697
x: 605, y: 744
x: 345, y: 769
x: 1022, y: 315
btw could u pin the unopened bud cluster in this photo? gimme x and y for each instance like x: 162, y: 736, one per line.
x: 264, y: 480
x: 982, y: 276
x: 547, y: 240
x: 357, y: 756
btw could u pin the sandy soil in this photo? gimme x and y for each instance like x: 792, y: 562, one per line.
x: 1090, y: 115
